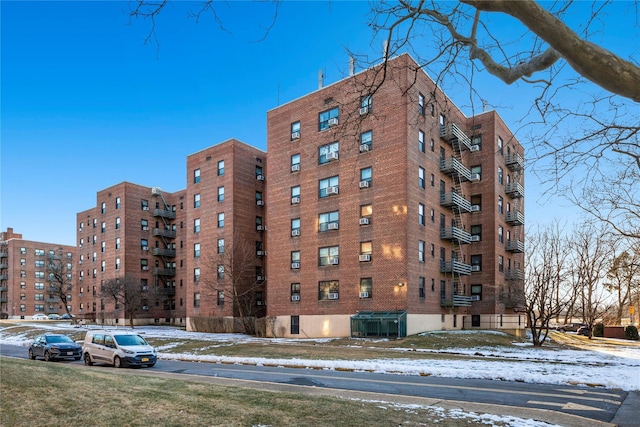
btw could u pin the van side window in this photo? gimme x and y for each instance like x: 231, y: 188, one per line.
x: 98, y: 339
x: 108, y: 341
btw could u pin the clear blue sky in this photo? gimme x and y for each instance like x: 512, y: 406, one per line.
x: 86, y: 105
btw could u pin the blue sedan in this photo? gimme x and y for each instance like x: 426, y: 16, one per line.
x: 53, y: 347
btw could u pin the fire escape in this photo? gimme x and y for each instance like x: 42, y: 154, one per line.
x: 515, y: 241
x: 165, y: 270
x: 453, y: 295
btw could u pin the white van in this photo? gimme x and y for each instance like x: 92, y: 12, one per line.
x: 117, y: 348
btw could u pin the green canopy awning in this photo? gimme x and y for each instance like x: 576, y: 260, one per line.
x: 379, y: 324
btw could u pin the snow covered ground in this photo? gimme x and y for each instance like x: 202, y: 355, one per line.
x: 604, y: 365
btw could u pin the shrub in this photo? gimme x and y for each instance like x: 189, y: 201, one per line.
x: 631, y: 332
x: 598, y: 330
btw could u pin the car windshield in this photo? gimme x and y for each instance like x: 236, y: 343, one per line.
x: 57, y: 339
x: 130, y: 340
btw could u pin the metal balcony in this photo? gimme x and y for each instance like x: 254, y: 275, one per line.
x: 514, y: 274
x: 157, y: 271
x: 164, y: 213
x: 455, y: 135
x: 4, y: 277
x: 515, y: 218
x: 515, y: 246
x: 4, y: 254
x: 515, y: 190
x: 4, y: 288
x: 455, y: 234
x: 456, y: 301
x: 455, y: 267
x: 4, y: 299
x: 453, y: 199
x: 515, y: 162
x: 453, y: 167
x: 169, y: 292
x: 164, y: 233
x: 3, y: 265
x: 170, y: 253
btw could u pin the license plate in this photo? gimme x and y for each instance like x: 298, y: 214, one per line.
x: 145, y: 359
x: 69, y: 353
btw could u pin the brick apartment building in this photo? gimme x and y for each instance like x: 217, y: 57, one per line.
x: 24, y: 283
x: 390, y: 212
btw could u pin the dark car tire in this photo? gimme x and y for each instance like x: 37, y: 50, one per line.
x: 47, y: 356
x: 117, y: 363
x: 87, y: 360
x: 31, y: 355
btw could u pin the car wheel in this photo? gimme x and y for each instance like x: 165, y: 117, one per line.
x: 31, y: 355
x: 117, y: 363
x: 87, y: 360
x: 47, y: 356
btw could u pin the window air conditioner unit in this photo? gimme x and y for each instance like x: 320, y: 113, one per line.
x: 295, y: 200
x: 260, y: 177
x: 475, y: 297
x: 475, y: 208
x: 333, y: 121
x: 475, y: 177
x: 474, y: 148
x: 261, y: 278
x: 334, y: 260
x: 295, y: 233
x: 295, y: 135
x: 145, y: 268
x: 333, y: 295
x: 365, y: 257
x: 259, y: 202
x: 475, y: 238
x: 332, y: 155
x: 259, y: 302
x: 295, y: 168
x: 145, y: 307
x: 145, y: 208
x: 364, y: 110
x: 261, y: 227
x: 475, y: 268
x: 261, y: 253
x: 364, y: 294
x: 364, y: 184
x: 145, y: 228
x: 332, y: 190
x: 364, y: 221
x: 145, y: 248
x: 364, y: 148
x: 295, y: 297
x: 332, y: 226
x: 295, y: 265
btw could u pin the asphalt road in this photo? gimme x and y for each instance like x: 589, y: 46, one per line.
x: 571, y: 405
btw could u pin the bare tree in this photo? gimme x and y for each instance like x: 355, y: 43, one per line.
x: 545, y: 293
x: 623, y: 276
x: 125, y: 292
x: 60, y: 277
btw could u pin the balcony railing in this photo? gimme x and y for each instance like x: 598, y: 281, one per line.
x: 455, y: 234
x: 4, y: 288
x: 514, y: 274
x: 456, y: 301
x: 515, y: 162
x: 164, y: 213
x: 164, y: 233
x: 452, y: 166
x: 515, y: 246
x: 4, y: 277
x: 170, y: 253
x: 4, y: 254
x: 453, y: 199
x: 458, y: 267
x: 515, y: 190
x: 167, y: 291
x: 515, y: 218
x: 157, y: 271
x: 3, y: 265
x: 455, y: 135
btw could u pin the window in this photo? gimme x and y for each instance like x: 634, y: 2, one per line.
x: 432, y: 214
x: 259, y: 223
x: 196, y: 200
x: 420, y: 177
x: 500, y: 234
x: 328, y: 186
x: 220, y: 246
x: 500, y: 263
x: 441, y: 120
x: 366, y: 248
x: 328, y: 221
x: 295, y: 325
x: 117, y: 202
x: 196, y: 275
x: 432, y: 250
x: 421, y: 104
x: 295, y: 260
x: 476, y: 230
x: 295, y: 292
x: 432, y: 180
x: 500, y: 175
x: 500, y: 205
x: 144, y: 264
x: 95, y: 239
x: 295, y: 130
x: 103, y: 207
x: 295, y: 163
x: 220, y: 271
x: 259, y: 200
x: 366, y: 211
x: 366, y: 287
x: 421, y: 249
x: 366, y: 139
x: 366, y: 176
x: 117, y: 263
x: 421, y: 290
x: 196, y: 225
x: 295, y: 195
x: 432, y: 145
x: 40, y: 263
x: 144, y: 244
x: 476, y: 200
x: 421, y: 141
x: 365, y: 104
x: 196, y: 299
x: 477, y: 140
x: 476, y: 291
x: 23, y: 251
x: 328, y: 290
x: 221, y: 168
x: 420, y: 214
x: 476, y: 262
x: 196, y: 176
x: 117, y: 223
x: 259, y: 174
x: 295, y: 227
x: 117, y: 243
x: 95, y: 222
x: 144, y: 205
x: 39, y: 286
x: 39, y: 252
x: 500, y: 144
x: 23, y: 273
x: 220, y: 194
x: 220, y: 219
x: 196, y: 250
x: 328, y: 118
x: 39, y: 297
x: 328, y: 255
x: 477, y: 170
x: 144, y: 225
x: 328, y: 152
x: 23, y: 262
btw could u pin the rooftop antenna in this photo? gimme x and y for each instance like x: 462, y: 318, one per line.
x: 352, y: 66
x: 320, y: 79
x: 484, y: 105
